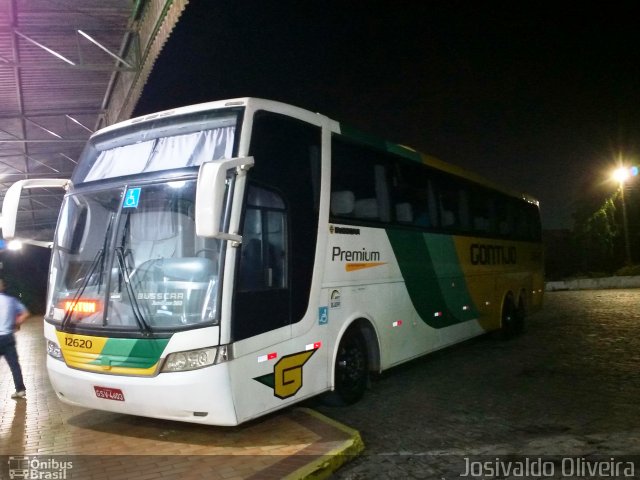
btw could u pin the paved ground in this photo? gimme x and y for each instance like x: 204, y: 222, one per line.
x: 295, y: 443
x: 569, y: 386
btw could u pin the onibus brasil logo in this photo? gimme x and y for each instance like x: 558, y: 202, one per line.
x: 25, y: 467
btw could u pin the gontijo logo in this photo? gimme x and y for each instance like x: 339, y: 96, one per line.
x: 492, y: 254
x: 356, y: 259
x: 287, y: 379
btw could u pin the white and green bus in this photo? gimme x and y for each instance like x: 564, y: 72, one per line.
x: 217, y: 262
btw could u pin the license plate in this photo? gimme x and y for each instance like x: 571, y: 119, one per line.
x: 109, y: 393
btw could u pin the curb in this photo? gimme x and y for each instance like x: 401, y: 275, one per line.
x: 594, y: 283
x: 328, y: 463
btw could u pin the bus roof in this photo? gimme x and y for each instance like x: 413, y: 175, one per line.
x: 346, y: 130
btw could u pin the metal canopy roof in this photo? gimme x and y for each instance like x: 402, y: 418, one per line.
x: 67, y: 68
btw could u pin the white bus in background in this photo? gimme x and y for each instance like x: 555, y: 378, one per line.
x: 217, y: 262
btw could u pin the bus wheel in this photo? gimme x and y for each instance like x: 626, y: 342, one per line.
x: 520, y: 314
x: 351, y: 370
x: 509, y: 327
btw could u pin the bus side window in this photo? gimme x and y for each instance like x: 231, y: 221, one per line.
x: 359, y: 184
x: 448, y: 203
x: 432, y: 208
x: 413, y: 197
x: 463, y: 210
x: 404, y: 212
x: 505, y: 217
x: 276, y: 249
x: 251, y: 253
x: 367, y: 209
x: 480, y: 212
x: 382, y: 193
x: 342, y: 203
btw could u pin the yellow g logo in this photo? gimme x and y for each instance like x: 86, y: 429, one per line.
x: 286, y: 379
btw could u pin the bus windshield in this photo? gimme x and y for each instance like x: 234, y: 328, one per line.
x: 127, y: 258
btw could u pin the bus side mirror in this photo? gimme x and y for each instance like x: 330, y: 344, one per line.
x: 12, y: 200
x: 210, y: 196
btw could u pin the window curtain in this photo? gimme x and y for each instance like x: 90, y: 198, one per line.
x: 165, y: 153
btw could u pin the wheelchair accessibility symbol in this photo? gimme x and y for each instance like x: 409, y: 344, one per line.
x: 132, y: 198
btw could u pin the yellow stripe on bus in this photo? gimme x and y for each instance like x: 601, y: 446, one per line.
x: 81, y: 345
x: 83, y: 352
x: 114, y: 370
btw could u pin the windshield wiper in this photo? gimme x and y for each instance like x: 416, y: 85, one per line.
x: 99, y: 259
x: 123, y: 242
x: 122, y: 265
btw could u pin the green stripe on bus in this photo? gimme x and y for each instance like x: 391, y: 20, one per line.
x: 362, y: 137
x: 131, y: 352
x: 376, y: 142
x: 404, y: 152
x: 440, y: 296
x: 451, y: 278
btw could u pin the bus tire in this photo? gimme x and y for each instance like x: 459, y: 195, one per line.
x: 351, y: 370
x: 520, y: 315
x: 509, y: 320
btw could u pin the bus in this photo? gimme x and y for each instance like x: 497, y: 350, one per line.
x: 217, y: 262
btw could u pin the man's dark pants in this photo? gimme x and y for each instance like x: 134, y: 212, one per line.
x: 8, y: 351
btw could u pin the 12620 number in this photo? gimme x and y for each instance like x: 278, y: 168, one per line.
x: 78, y: 343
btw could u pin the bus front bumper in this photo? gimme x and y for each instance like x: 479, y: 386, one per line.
x: 197, y: 396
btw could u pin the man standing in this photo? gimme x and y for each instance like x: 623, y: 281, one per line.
x: 12, y: 314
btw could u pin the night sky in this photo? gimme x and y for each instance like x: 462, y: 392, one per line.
x: 542, y: 97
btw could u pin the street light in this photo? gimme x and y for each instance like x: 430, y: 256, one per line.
x: 621, y: 175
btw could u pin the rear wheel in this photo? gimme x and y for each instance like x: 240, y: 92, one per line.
x: 351, y: 370
x: 520, y: 315
x: 508, y: 328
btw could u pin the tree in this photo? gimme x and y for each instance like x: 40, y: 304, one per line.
x: 596, y: 235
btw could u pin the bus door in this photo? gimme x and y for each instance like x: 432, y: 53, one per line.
x: 274, y: 267
x: 262, y: 288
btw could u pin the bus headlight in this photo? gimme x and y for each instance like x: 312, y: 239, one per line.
x: 191, y: 360
x: 53, y: 350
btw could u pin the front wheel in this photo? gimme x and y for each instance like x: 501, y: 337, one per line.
x: 351, y: 371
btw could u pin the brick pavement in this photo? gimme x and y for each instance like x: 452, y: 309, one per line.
x: 569, y: 386
x: 295, y: 443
